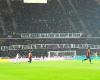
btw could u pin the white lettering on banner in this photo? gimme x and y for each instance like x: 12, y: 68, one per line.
x: 51, y: 35
x: 49, y: 46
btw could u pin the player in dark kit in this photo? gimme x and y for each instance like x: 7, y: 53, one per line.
x: 88, y: 54
x: 30, y: 57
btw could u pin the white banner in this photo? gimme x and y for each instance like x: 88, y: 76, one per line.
x: 49, y: 46
x: 35, y: 1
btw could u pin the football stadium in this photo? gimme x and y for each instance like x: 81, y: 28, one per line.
x: 49, y: 39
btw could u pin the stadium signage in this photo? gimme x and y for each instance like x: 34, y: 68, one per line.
x: 35, y: 1
x: 51, y: 35
x: 49, y: 46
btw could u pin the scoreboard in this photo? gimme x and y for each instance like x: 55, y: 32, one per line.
x: 35, y: 1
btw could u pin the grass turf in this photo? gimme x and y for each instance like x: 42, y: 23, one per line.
x: 50, y: 70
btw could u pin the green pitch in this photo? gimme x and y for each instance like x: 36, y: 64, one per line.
x: 50, y: 70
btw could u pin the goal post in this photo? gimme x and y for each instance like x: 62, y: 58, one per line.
x: 69, y: 53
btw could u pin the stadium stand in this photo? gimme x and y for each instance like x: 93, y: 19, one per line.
x: 17, y: 16
x: 57, y: 16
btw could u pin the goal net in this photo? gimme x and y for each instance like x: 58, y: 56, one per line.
x: 65, y: 54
